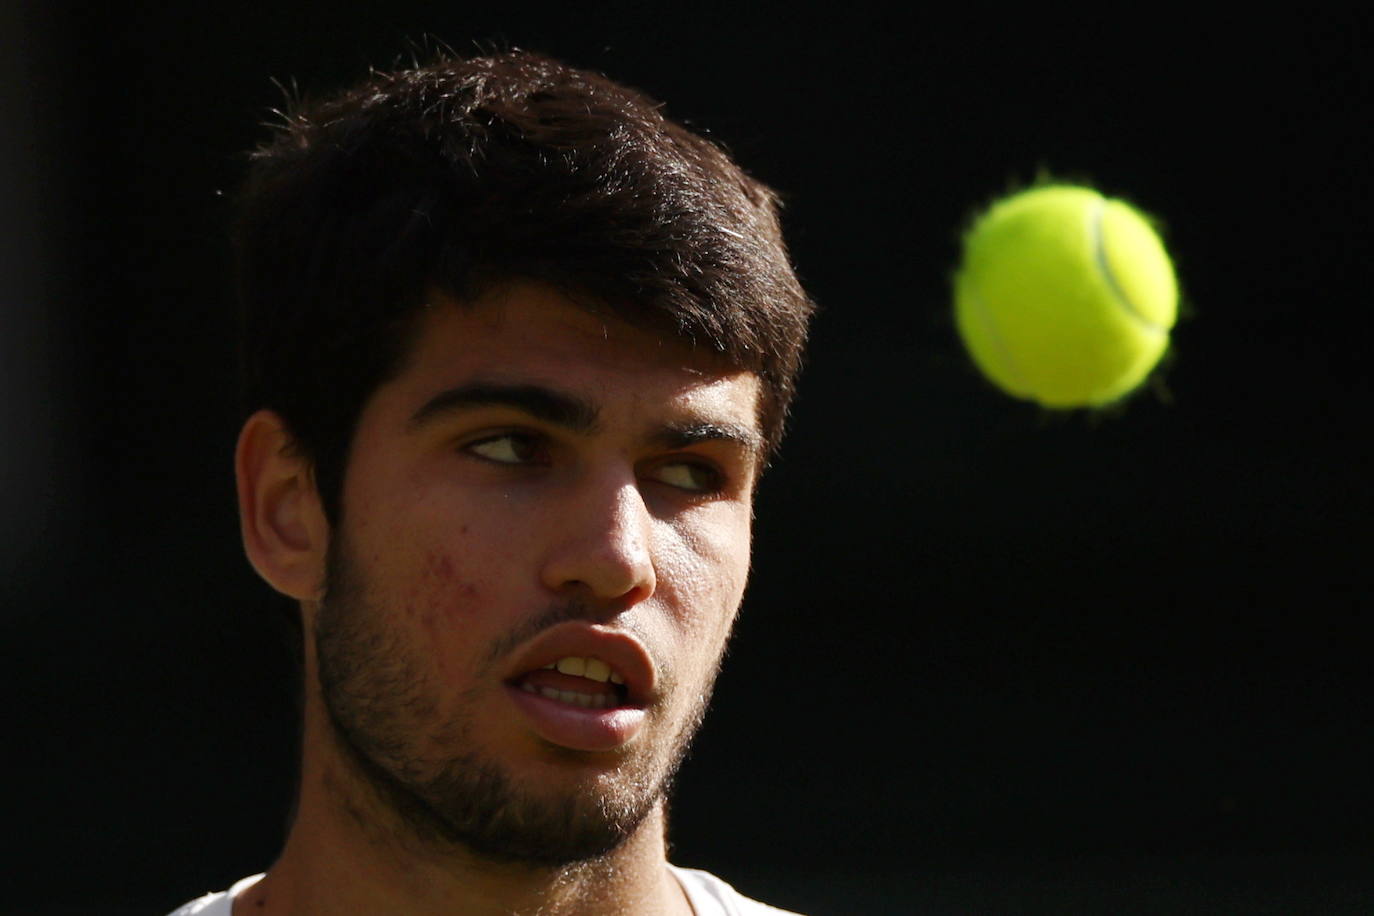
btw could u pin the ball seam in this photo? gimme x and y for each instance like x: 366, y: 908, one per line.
x: 994, y: 337
x: 1114, y: 285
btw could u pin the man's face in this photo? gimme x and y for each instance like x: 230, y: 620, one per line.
x: 545, y: 538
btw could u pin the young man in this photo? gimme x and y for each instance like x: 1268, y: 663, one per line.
x: 517, y: 349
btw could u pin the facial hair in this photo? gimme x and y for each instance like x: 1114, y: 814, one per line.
x: 383, y: 712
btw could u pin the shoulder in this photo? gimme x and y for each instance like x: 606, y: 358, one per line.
x: 711, y: 896
x: 220, y: 903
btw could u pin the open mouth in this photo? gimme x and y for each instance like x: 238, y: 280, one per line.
x: 584, y: 688
x: 576, y: 680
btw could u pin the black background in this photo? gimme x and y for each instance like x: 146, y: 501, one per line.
x: 993, y: 660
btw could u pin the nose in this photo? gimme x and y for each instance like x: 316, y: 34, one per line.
x: 601, y: 549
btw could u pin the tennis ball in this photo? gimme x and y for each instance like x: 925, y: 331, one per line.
x: 1064, y: 297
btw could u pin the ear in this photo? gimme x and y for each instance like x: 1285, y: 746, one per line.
x: 285, y: 533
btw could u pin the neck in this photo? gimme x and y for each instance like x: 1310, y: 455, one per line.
x: 349, y: 851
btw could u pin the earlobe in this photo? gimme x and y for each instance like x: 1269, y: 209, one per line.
x: 285, y: 533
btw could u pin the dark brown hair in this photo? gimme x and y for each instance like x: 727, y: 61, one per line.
x: 463, y: 174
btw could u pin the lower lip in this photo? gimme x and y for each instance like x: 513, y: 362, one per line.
x: 576, y: 727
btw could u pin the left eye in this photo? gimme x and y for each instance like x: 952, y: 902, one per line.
x: 508, y: 448
x: 684, y: 475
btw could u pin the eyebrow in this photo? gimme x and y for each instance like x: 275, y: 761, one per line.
x: 542, y: 403
x: 682, y: 435
x: 576, y: 414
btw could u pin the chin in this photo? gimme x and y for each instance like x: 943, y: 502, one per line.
x: 479, y: 808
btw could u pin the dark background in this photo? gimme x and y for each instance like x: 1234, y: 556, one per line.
x: 993, y: 660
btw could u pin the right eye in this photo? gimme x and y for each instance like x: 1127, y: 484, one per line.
x: 506, y: 448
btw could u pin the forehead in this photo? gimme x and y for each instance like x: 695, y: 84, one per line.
x: 528, y: 333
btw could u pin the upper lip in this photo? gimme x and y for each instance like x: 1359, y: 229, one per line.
x: 617, y: 648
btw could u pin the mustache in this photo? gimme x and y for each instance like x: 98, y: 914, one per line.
x: 526, y: 630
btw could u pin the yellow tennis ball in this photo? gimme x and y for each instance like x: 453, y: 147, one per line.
x: 1064, y: 297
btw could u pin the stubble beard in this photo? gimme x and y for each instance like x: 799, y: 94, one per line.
x: 382, y: 715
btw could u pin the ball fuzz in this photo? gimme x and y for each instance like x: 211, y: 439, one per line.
x: 1064, y: 297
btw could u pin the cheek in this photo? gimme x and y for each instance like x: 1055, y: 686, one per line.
x: 703, y: 569
x: 441, y: 602
x: 448, y: 588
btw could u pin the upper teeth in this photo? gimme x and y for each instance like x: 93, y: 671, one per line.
x: 592, y: 668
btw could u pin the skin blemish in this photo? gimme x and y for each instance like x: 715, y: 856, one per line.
x: 439, y: 566
x: 467, y: 592
x: 448, y: 593
x: 432, y: 599
x: 430, y: 621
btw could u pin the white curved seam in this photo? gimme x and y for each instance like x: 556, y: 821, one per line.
x: 990, y: 327
x: 1100, y: 253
